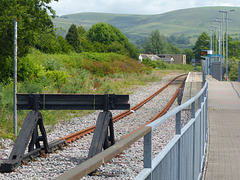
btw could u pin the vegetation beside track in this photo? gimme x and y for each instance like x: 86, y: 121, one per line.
x: 95, y: 73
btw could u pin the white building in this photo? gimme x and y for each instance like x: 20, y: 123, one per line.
x: 169, y: 60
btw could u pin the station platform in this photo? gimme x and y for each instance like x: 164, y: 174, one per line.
x: 223, y: 156
x: 192, y: 86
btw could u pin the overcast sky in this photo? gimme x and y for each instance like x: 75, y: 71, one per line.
x: 63, y: 7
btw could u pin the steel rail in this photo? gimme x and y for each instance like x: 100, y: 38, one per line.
x: 164, y: 110
x: 72, y: 137
x: 58, y: 144
x: 93, y: 163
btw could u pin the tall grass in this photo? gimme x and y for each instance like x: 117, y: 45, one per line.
x: 74, y: 73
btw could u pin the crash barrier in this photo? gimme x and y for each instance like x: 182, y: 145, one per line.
x: 33, y: 125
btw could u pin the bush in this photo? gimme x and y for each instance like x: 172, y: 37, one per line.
x: 58, y: 77
x: 148, y: 62
x: 6, y: 73
x: 110, y: 63
x: 52, y: 44
x: 6, y: 96
x: 51, y: 65
x: 233, y: 73
x: 107, y: 38
x: 162, y: 65
x: 26, y: 69
x: 30, y: 87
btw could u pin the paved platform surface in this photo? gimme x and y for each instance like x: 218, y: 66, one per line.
x: 223, y: 159
x: 193, y: 85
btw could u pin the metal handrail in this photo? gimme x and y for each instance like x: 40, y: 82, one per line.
x: 174, y: 111
x: 93, y: 163
x: 195, y: 134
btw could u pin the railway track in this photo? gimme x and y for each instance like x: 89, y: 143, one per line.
x: 58, y: 144
x: 104, y: 172
x: 84, y: 132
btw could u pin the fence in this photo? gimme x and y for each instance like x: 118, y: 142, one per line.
x: 183, y: 157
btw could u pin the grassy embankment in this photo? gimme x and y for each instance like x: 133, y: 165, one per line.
x: 77, y: 73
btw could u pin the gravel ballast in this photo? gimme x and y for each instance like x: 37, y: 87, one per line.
x: 131, y: 161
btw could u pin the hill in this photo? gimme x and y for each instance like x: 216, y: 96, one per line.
x: 189, y: 22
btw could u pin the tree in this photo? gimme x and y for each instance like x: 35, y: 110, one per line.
x: 107, y: 38
x: 176, y: 40
x: 73, y: 38
x: 32, y: 17
x: 233, y: 48
x: 156, y: 43
x: 232, y: 68
x: 81, y: 31
x: 189, y: 55
x: 106, y: 34
x: 201, y: 44
x: 171, y: 49
x: 53, y: 44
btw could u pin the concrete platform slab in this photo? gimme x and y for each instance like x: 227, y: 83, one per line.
x: 192, y: 86
x: 223, y: 162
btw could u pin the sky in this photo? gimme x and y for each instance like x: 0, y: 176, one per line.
x: 63, y: 7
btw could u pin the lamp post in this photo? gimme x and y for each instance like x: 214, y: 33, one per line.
x: 226, y: 12
x: 15, y: 78
x: 219, y: 36
x: 215, y: 27
x: 211, y: 40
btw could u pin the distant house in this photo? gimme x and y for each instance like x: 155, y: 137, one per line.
x: 156, y: 58
x: 149, y: 56
x: 178, y: 58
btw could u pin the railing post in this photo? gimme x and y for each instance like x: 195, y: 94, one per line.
x: 147, y: 156
x: 200, y: 131
x: 199, y: 102
x: 193, y: 110
x: 178, y: 122
x: 178, y: 132
x: 193, y: 116
x: 206, y: 118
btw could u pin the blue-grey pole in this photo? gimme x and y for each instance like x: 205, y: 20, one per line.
x: 227, y: 46
x: 215, y: 27
x: 211, y: 39
x: 219, y: 35
x: 238, y: 71
x: 223, y: 38
x: 224, y: 11
x: 15, y: 79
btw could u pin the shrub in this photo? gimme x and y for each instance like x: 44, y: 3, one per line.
x: 6, y: 73
x: 52, y: 44
x: 58, y: 77
x: 163, y: 65
x: 6, y: 96
x: 233, y: 73
x: 30, y: 87
x: 51, y: 65
x: 148, y: 62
